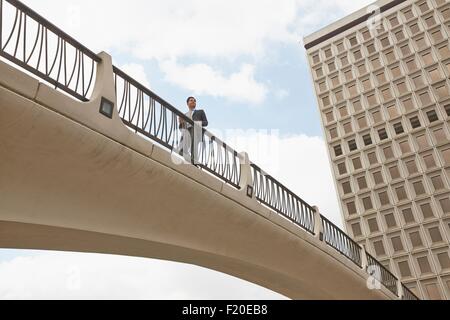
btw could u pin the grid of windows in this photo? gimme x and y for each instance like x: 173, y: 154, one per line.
x: 384, y: 98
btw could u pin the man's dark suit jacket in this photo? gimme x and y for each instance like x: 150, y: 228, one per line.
x: 199, y: 115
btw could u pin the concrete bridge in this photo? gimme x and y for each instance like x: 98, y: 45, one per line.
x: 89, y: 163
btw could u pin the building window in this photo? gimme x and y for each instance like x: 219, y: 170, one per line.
x: 367, y: 140
x: 447, y: 109
x: 373, y: 225
x: 357, y: 163
x: 432, y: 116
x: 390, y: 220
x: 351, y: 207
x: 445, y: 205
x: 347, y: 188
x: 388, y: 153
x: 408, y: 216
x: 384, y: 198
x: 398, y: 127
x: 427, y: 212
x: 419, y: 188
x: 352, y: 145
x: 362, y: 183
x: 372, y: 158
x: 415, y: 122
x: 367, y: 202
x: 429, y: 161
x: 404, y: 147
x: 401, y: 193
x: 379, y: 248
x: 338, y: 151
x: 342, y: 168
x: 412, y: 167
x: 378, y: 177
x: 356, y: 227
x: 405, y: 270
x: 383, y: 134
x: 424, y: 265
x: 435, y: 234
x: 416, y: 239
x: 397, y: 244
x: 395, y: 173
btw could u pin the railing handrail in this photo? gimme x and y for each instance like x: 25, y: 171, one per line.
x: 395, y: 280
x: 149, y: 92
x: 48, y: 63
x: 357, y: 260
x: 282, y: 200
x: 50, y: 26
x: 408, y: 294
x: 343, y: 232
x: 381, y: 266
x: 257, y: 168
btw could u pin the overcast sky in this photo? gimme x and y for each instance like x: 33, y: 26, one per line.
x: 245, y: 63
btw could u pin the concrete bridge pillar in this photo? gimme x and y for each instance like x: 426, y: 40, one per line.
x: 246, y: 183
x: 104, y: 81
x: 318, y: 226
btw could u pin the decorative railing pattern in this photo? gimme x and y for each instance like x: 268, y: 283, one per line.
x: 39, y: 47
x: 35, y: 44
x: 146, y: 113
x: 408, y: 294
x: 383, y: 275
x: 277, y: 197
x: 219, y: 159
x: 339, y: 240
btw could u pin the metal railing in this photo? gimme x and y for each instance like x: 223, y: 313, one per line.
x: 146, y: 113
x: 277, y: 197
x: 35, y: 44
x: 219, y: 159
x: 57, y: 58
x: 408, y: 294
x: 339, y: 240
x: 383, y: 275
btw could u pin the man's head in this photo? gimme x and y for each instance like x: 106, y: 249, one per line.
x: 192, y: 103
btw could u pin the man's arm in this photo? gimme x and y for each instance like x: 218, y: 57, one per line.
x: 181, y: 123
x: 204, y: 119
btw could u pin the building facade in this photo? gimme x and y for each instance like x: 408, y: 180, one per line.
x: 381, y: 76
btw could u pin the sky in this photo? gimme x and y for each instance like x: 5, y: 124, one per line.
x: 245, y: 63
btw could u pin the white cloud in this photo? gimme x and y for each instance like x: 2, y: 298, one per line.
x: 50, y: 275
x: 174, y: 29
x: 202, y: 79
x: 137, y: 72
x: 214, y: 30
x: 281, y: 94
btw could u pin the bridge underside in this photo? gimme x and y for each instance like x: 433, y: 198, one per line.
x: 64, y: 186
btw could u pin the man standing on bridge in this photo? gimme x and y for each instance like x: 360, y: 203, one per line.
x: 192, y: 132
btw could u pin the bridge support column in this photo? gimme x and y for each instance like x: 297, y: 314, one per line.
x: 246, y: 183
x: 400, y: 291
x: 104, y: 87
x: 318, y: 226
x: 364, y: 261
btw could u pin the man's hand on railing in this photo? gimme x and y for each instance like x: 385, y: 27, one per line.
x: 182, y: 123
